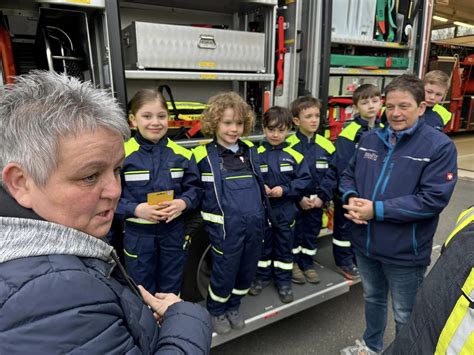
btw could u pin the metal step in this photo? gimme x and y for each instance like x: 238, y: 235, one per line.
x: 260, y: 311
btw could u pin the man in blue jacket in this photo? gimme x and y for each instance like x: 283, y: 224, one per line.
x: 396, y: 185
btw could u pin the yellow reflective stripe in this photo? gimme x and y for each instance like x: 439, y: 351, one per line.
x: 180, y: 150
x: 240, y: 292
x: 200, y: 153
x: 325, y: 144
x: 140, y: 220
x: 129, y: 254
x: 293, y: 140
x: 296, y: 155
x: 217, y: 298
x: 261, y: 149
x: 136, y: 172
x: 464, y: 219
x: 216, y: 250
x: 286, y: 167
x: 308, y: 251
x: 238, y: 177
x: 322, y: 164
x: 282, y: 265
x: 293, y: 224
x: 341, y: 243
x: 247, y: 142
x: 455, y: 318
x: 443, y: 112
x: 211, y: 217
x: 176, y: 169
x: 264, y: 263
x: 296, y: 250
x: 131, y: 146
x: 350, y: 131
x: 468, y: 348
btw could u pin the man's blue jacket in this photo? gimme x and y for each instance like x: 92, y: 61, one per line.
x: 410, y: 182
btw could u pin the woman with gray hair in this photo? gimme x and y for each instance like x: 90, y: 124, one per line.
x: 63, y: 289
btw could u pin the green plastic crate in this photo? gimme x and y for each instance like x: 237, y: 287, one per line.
x: 341, y: 60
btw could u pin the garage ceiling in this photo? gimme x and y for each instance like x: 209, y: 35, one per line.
x: 453, y: 10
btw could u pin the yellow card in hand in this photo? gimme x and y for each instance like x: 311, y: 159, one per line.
x: 155, y: 198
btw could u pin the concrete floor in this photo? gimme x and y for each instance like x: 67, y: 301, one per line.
x: 332, y: 325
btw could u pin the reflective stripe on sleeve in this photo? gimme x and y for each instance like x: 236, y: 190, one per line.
x: 214, y: 218
x: 140, y: 221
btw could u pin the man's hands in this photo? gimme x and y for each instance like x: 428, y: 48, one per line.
x: 159, y: 303
x: 359, y: 210
x: 165, y: 211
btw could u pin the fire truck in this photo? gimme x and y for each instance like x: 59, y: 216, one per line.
x: 269, y: 51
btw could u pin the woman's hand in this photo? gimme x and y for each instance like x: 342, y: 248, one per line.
x: 158, y: 303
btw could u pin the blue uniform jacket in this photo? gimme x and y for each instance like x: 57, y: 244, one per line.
x: 150, y: 167
x: 207, y: 158
x: 437, y: 116
x: 283, y: 166
x: 348, y: 140
x: 318, y: 153
x: 410, y: 183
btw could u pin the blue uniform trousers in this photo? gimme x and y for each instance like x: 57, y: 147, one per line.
x: 341, y: 246
x: 308, y: 226
x: 155, y: 255
x: 277, y: 256
x: 235, y: 253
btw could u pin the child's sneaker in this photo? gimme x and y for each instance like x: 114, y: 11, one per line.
x: 360, y: 348
x: 350, y: 272
x: 257, y: 287
x: 297, y: 275
x: 285, y: 293
x: 235, y: 318
x: 311, y: 276
x: 220, y: 324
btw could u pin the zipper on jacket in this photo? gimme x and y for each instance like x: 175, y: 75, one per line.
x: 217, y: 197
x: 133, y: 286
x: 387, y: 178
x: 415, y: 242
x: 382, y: 174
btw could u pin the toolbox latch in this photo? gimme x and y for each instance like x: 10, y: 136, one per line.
x: 207, y: 41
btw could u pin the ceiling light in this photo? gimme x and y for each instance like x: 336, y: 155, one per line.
x: 439, y: 18
x: 463, y: 24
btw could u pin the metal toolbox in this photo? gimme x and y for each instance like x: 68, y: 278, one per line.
x: 160, y: 46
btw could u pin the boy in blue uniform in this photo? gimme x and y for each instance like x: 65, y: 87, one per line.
x: 436, y: 84
x: 286, y: 176
x: 367, y: 100
x: 318, y: 153
x: 154, y: 241
x: 233, y: 206
x: 396, y: 185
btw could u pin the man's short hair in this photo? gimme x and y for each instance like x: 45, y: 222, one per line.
x: 409, y: 83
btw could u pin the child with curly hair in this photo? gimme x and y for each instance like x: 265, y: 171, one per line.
x: 233, y: 206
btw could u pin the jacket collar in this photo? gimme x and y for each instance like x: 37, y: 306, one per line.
x: 10, y: 208
x: 304, y: 138
x: 280, y: 146
x: 146, y: 143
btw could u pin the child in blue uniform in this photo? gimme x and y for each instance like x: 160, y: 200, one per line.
x: 286, y: 175
x: 436, y: 83
x: 318, y: 153
x: 154, y: 241
x: 367, y: 100
x: 232, y: 207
